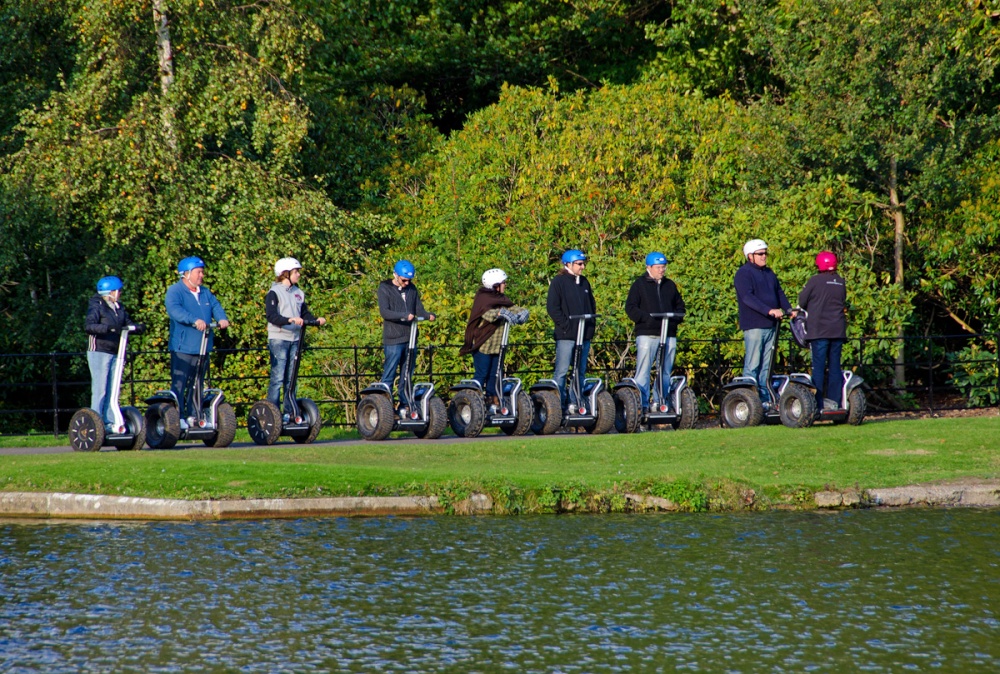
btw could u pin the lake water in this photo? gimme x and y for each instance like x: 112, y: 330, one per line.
x: 774, y: 592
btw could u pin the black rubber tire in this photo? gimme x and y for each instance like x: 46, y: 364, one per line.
x: 225, y: 427
x: 797, y: 406
x: 264, y: 423
x: 689, y: 411
x: 628, y: 415
x: 858, y: 405
x: 547, y: 417
x: 163, y: 426
x: 605, y: 414
x: 741, y: 408
x: 437, y: 420
x: 375, y: 417
x: 467, y: 413
x: 525, y: 415
x: 136, y: 425
x: 86, y: 431
x: 310, y: 413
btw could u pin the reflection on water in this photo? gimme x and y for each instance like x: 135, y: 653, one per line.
x: 911, y: 590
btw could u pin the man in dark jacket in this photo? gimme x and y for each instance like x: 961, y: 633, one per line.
x: 825, y: 300
x: 762, y: 304
x: 399, y: 305
x: 653, y: 293
x: 570, y: 295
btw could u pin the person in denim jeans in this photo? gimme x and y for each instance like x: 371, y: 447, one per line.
x: 824, y: 299
x: 570, y: 295
x: 399, y: 305
x: 106, y: 319
x: 286, y: 311
x: 653, y: 293
x: 762, y: 303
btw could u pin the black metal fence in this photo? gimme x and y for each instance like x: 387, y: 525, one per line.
x: 942, y: 372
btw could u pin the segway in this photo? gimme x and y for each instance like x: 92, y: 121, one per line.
x: 265, y: 422
x: 422, y: 413
x: 86, y: 427
x: 468, y: 413
x: 791, y: 400
x: 214, y: 419
x: 588, y: 405
x: 680, y: 410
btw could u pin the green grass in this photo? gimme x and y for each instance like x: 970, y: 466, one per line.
x: 704, y: 468
x: 49, y: 440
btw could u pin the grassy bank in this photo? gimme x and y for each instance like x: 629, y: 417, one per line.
x: 703, y: 469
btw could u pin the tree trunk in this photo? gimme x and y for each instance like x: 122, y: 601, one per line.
x: 166, y: 58
x: 897, y: 216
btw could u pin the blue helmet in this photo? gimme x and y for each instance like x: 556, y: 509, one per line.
x: 189, y: 263
x: 404, y: 269
x: 574, y: 255
x: 655, y: 258
x: 109, y: 284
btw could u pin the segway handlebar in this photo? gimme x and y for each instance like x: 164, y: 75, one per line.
x: 669, y: 314
x: 576, y: 317
x: 314, y: 322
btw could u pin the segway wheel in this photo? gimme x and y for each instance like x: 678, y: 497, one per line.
x: 605, y: 414
x: 467, y: 413
x: 858, y: 407
x: 86, y: 431
x: 264, y: 422
x: 437, y: 420
x: 375, y: 417
x: 548, y: 412
x: 628, y: 416
x: 225, y: 429
x: 689, y: 411
x: 741, y: 408
x: 797, y: 406
x: 311, y: 413
x: 163, y: 426
x: 525, y: 415
x: 136, y: 426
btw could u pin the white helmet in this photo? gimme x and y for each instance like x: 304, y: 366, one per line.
x: 753, y: 245
x: 286, y: 264
x: 492, y: 277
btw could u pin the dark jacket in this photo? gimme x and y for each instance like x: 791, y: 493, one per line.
x: 568, y: 297
x: 646, y: 297
x: 824, y: 299
x: 394, y: 309
x: 758, y: 291
x: 477, y: 330
x: 104, y: 324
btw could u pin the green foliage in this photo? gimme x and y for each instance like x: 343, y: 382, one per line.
x: 689, y: 496
x: 974, y: 373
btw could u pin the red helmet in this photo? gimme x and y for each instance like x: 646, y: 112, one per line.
x: 826, y: 261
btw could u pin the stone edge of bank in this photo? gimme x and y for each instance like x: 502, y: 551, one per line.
x: 35, y: 505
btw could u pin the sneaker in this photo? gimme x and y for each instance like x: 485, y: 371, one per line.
x: 572, y: 408
x: 184, y: 424
x: 285, y: 418
x: 830, y: 404
x: 108, y: 428
x: 493, y: 409
x: 403, y: 412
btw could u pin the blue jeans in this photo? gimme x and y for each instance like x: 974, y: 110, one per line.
x: 564, y: 354
x: 828, y: 378
x: 396, y: 356
x: 282, y: 354
x: 102, y: 366
x: 645, y: 348
x: 486, y: 366
x: 759, y: 348
x: 184, y: 380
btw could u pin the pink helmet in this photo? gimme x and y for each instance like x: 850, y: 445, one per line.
x: 826, y: 261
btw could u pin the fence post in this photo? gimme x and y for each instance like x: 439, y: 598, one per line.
x: 357, y: 375
x: 930, y: 374
x: 55, y: 395
x: 996, y: 345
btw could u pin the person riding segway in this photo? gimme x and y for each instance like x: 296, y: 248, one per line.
x: 105, y: 423
x: 287, y: 317
x: 490, y: 398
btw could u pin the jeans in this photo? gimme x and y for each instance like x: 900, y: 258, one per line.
x: 828, y: 378
x: 396, y: 356
x: 102, y: 366
x: 645, y: 348
x: 486, y: 366
x: 564, y: 354
x: 282, y: 354
x: 185, y: 379
x: 759, y: 348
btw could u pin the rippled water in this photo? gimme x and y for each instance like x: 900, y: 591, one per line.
x: 911, y: 590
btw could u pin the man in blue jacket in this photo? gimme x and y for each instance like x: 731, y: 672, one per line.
x: 191, y: 308
x: 762, y: 304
